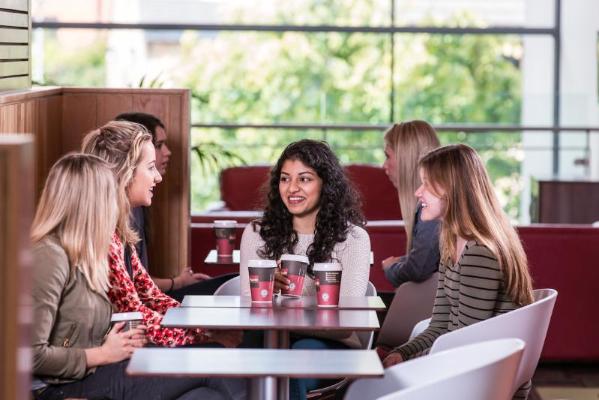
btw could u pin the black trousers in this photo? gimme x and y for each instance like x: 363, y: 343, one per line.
x: 111, y: 382
x: 206, y: 287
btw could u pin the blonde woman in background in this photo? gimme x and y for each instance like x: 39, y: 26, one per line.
x: 75, y: 353
x: 483, y: 270
x: 405, y: 143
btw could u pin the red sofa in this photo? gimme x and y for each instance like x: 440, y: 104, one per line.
x: 561, y: 257
x: 242, y: 189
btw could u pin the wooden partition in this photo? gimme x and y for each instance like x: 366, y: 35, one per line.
x: 60, y: 117
x: 16, y: 208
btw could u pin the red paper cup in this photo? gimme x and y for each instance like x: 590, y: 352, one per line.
x: 295, y: 267
x: 327, y: 277
x: 224, y: 230
x: 262, y: 279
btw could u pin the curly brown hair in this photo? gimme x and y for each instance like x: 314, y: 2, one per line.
x: 339, y: 205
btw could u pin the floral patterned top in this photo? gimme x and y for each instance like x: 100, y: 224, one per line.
x: 141, y: 294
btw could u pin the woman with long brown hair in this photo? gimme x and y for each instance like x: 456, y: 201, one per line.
x: 483, y: 270
x: 405, y: 143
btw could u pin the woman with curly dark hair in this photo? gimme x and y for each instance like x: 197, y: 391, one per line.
x: 312, y: 210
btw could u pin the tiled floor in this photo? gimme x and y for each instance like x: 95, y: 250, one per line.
x: 566, y: 381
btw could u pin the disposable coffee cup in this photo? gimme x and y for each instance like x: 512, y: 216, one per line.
x: 327, y: 277
x: 224, y: 230
x: 262, y: 279
x: 294, y: 266
x: 132, y: 319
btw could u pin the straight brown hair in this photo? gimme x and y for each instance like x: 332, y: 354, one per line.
x: 473, y: 212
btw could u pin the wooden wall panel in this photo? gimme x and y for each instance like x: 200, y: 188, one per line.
x: 111, y: 105
x: 16, y: 210
x: 38, y: 112
x: 79, y: 116
x: 60, y: 117
x: 15, y: 37
x: 9, y: 18
x: 20, y: 5
x: 14, y: 52
x: 12, y: 35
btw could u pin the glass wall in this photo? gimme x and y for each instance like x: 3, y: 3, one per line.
x: 342, y: 62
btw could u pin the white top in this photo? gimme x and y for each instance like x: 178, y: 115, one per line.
x: 353, y: 254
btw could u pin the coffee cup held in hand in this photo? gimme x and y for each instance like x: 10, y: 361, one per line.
x: 327, y: 278
x: 262, y: 279
x: 132, y: 319
x: 294, y: 267
x: 224, y: 230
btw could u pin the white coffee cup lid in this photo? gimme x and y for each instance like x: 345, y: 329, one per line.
x: 295, y: 257
x: 126, y: 316
x: 332, y: 266
x: 225, y: 223
x: 262, y: 264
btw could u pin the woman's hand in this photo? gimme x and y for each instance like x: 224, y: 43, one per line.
x: 281, y: 281
x: 389, y: 261
x: 119, y: 345
x: 392, y: 359
x: 188, y: 277
x: 226, y: 338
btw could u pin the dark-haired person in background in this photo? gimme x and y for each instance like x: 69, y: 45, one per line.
x: 187, y: 282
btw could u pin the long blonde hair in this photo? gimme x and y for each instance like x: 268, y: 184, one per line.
x: 409, y: 141
x: 473, y: 212
x: 120, y: 143
x: 78, y: 205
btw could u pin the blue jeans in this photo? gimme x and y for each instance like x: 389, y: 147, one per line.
x: 298, y: 388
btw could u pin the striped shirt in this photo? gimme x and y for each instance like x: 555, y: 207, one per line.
x: 469, y: 291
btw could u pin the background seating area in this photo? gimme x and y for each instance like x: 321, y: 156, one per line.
x: 241, y: 189
x: 561, y: 257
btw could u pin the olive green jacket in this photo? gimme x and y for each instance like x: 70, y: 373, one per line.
x: 68, y: 316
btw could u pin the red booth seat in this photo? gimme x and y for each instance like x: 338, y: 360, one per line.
x: 242, y: 189
x: 560, y: 257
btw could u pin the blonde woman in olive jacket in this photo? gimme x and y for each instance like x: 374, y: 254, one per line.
x: 75, y: 354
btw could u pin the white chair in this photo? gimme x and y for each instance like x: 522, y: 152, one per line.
x: 366, y: 338
x: 484, y: 370
x: 528, y: 323
x: 419, y: 328
x: 411, y: 303
x: 232, y: 287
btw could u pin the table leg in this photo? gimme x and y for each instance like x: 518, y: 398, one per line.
x: 269, y: 383
x: 283, y: 383
x: 263, y: 388
x: 271, y: 339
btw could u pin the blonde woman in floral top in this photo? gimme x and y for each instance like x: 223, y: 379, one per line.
x: 128, y: 147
